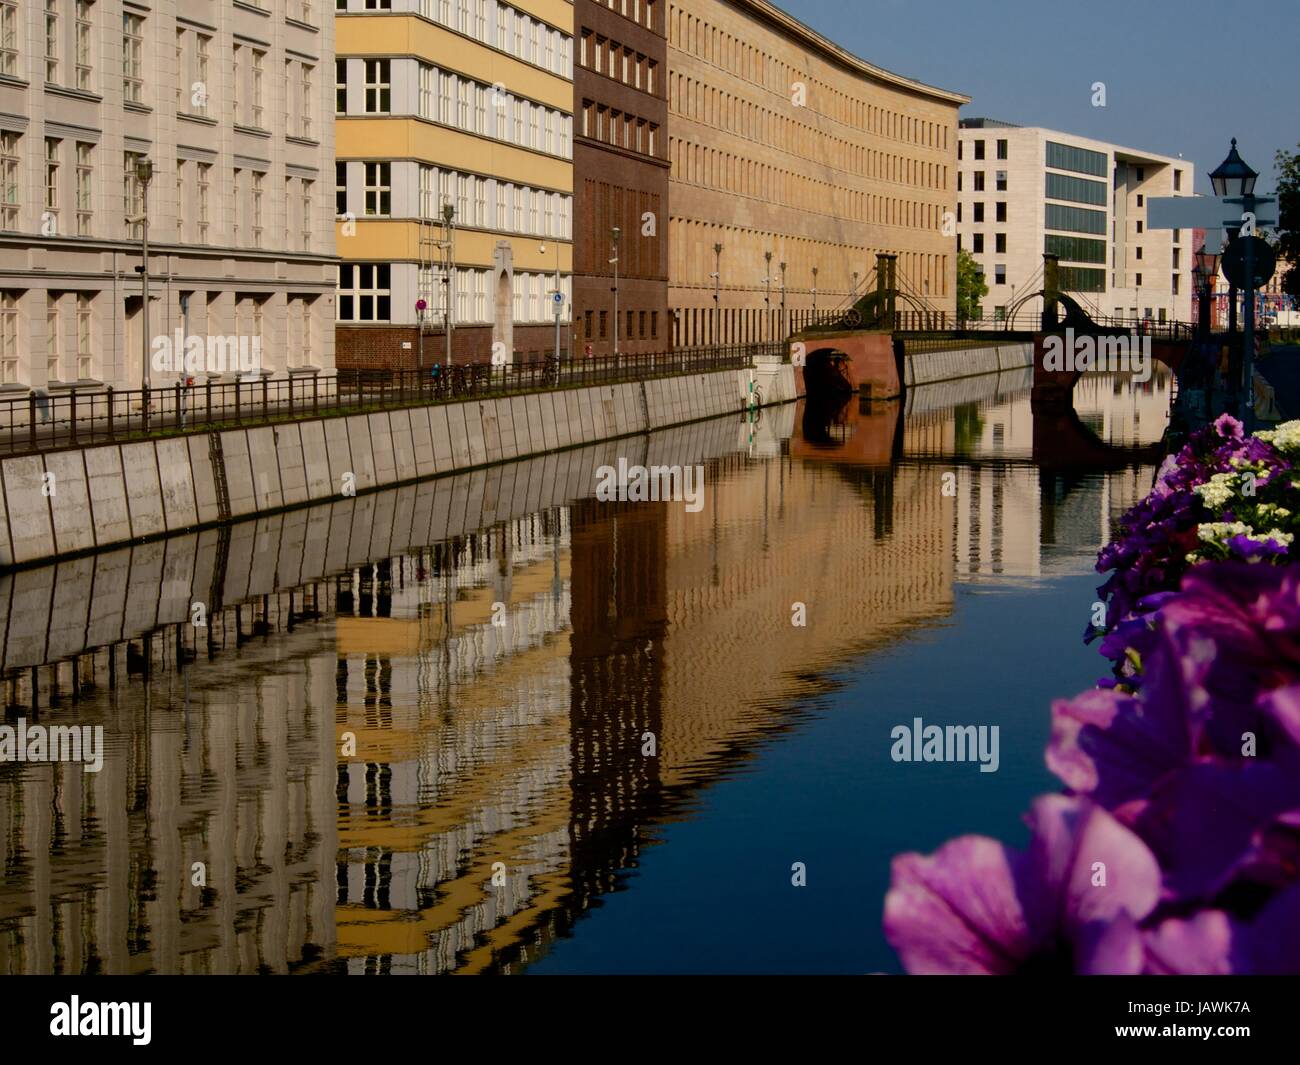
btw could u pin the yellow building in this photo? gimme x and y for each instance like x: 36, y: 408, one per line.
x: 802, y: 162
x: 460, y: 105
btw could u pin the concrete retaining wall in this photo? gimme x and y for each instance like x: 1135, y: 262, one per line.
x: 930, y: 366
x: 50, y: 612
x: 69, y: 502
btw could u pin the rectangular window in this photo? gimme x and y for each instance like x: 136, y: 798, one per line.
x: 1076, y: 190
x: 363, y: 292
x: 8, y: 337
x: 85, y: 45
x: 977, y: 244
x: 979, y: 149
x: 1075, y: 249
x: 132, y: 194
x: 1000, y: 243
x: 427, y: 74
x: 340, y: 86
x: 379, y: 189
x: 1001, y: 181
x: 236, y: 204
x: 259, y: 61
x: 52, y: 42
x: 1074, y: 219
x: 51, y: 219
x: 305, y: 102
x: 1002, y: 149
x: 305, y: 217
x: 205, y: 189
x: 257, y: 208
x: 9, y: 37
x: 52, y: 348
x: 978, y: 185
x: 1079, y: 279
x: 378, y: 88
x: 133, y: 57
x: 1080, y: 160
x: 85, y: 186
x: 340, y: 188
x: 979, y: 212
x: 999, y: 275
x: 85, y: 335
x: 199, y: 89
x: 182, y: 216
x: 1001, y: 211
x: 1178, y: 181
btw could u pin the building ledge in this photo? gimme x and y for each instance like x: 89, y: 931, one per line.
x: 308, y: 141
x: 246, y: 6
x: 252, y: 131
x: 203, y: 120
x: 88, y: 384
x: 20, y: 83
x: 75, y: 94
x: 300, y: 24
x: 139, y: 109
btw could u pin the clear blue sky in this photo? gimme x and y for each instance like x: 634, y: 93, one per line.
x: 1165, y: 64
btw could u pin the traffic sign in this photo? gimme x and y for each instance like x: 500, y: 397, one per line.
x: 557, y: 298
x: 1263, y: 262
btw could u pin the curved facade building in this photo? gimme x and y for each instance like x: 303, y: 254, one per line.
x: 784, y: 144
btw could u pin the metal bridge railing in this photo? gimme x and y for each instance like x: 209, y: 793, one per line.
x: 44, y: 422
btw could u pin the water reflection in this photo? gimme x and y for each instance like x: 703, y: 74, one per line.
x: 428, y: 730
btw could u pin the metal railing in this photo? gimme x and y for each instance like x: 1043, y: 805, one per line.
x: 45, y: 422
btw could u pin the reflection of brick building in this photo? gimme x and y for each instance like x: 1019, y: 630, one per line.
x: 621, y: 174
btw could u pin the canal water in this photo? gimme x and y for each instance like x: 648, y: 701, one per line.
x: 494, y: 724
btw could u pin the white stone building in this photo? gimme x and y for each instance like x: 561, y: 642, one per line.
x: 1024, y: 191
x: 231, y: 103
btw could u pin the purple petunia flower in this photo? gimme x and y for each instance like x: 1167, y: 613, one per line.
x: 1071, y: 902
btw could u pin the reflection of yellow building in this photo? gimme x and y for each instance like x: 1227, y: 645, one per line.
x: 478, y: 744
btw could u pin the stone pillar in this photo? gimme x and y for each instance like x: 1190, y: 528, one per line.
x: 1051, y: 292
x: 503, y: 298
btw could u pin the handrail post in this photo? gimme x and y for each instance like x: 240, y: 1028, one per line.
x: 72, y: 413
x: 144, y: 408
x: 31, y: 418
x: 109, y: 392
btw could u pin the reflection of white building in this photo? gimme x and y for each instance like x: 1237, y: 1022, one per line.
x: 1008, y: 521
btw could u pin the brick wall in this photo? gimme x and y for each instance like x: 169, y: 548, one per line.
x: 378, y: 347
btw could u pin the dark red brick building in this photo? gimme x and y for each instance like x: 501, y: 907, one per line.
x: 620, y: 161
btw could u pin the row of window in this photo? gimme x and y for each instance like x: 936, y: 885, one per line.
x: 691, y: 34
x: 490, y: 22
x: 365, y: 294
x: 620, y: 129
x: 696, y: 100
x: 696, y: 164
x: 72, y: 332
x: 1079, y: 160
x: 617, y: 61
x: 62, y: 196
x: 977, y: 181
x: 488, y: 203
x: 977, y: 148
x: 640, y: 325
x: 1076, y: 190
x: 69, y: 42
x: 999, y: 212
x: 74, y: 37
x: 463, y: 103
x: 1074, y: 219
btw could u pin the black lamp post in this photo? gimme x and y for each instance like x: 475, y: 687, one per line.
x: 1234, y: 182
x: 1205, y: 271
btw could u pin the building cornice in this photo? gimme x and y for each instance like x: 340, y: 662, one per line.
x: 796, y: 30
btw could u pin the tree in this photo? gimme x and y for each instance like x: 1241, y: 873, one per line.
x: 1288, y: 231
x: 971, y: 287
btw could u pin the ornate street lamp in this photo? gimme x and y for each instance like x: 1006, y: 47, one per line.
x: 1205, y: 271
x: 1233, y: 177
